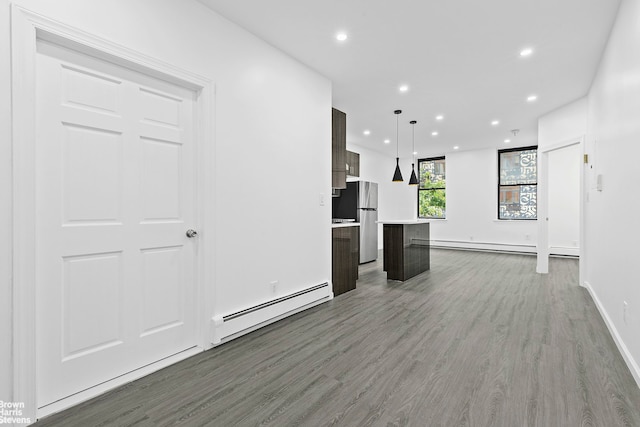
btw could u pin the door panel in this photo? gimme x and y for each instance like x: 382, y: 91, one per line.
x: 92, y: 175
x: 160, y: 108
x: 115, y: 193
x: 161, y: 275
x: 161, y: 179
x: 85, y: 89
x: 92, y: 301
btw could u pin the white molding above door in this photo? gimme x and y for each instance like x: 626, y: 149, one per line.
x: 26, y: 29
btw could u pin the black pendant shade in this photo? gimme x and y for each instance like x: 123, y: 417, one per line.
x: 397, y: 175
x: 414, y: 179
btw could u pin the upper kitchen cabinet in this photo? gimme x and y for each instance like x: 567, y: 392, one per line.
x: 338, y: 149
x: 353, y: 164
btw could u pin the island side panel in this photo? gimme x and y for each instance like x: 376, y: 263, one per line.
x: 393, y: 251
x: 416, y: 249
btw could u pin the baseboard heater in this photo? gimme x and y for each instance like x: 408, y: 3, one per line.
x: 472, y: 245
x: 232, y: 325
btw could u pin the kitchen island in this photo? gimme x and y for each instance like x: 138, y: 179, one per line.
x: 406, y: 248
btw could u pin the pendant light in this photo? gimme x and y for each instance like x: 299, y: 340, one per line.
x: 397, y: 175
x: 414, y: 179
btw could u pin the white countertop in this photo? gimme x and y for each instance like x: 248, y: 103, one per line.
x: 404, y: 221
x: 344, y: 224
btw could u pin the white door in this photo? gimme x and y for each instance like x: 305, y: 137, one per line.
x: 563, y: 200
x: 115, y: 161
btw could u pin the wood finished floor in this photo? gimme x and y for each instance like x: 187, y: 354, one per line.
x: 479, y: 340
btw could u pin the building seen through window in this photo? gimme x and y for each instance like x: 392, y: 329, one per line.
x: 518, y: 183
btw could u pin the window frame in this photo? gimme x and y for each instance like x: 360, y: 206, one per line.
x: 510, y: 150
x: 426, y: 159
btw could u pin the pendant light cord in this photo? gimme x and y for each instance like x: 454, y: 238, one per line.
x: 397, y: 175
x: 397, y: 137
x: 413, y: 141
x: 414, y: 178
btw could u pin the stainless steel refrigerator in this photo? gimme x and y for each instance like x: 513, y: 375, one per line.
x: 359, y: 201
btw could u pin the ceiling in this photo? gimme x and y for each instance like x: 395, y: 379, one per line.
x: 460, y: 59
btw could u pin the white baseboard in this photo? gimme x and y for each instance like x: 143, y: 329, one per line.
x: 564, y: 250
x: 626, y: 355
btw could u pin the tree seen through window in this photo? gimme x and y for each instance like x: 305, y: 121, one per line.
x: 432, y: 200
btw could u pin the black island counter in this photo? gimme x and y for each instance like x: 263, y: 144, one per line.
x: 405, y: 248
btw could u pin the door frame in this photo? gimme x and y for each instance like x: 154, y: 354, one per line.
x: 543, y: 205
x: 26, y: 29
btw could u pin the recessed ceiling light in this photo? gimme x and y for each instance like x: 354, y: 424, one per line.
x: 434, y: 133
x: 532, y: 98
x: 341, y: 37
x: 415, y: 153
x: 456, y: 147
x: 367, y: 132
x: 387, y: 141
x: 526, y: 52
x: 403, y: 88
x: 440, y: 117
x: 495, y: 123
x: 506, y: 141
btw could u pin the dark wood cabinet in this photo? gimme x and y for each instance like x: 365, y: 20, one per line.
x: 353, y: 164
x: 338, y: 149
x: 345, y: 256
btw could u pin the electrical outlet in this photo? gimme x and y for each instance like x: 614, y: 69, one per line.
x: 321, y: 198
x: 527, y: 237
x: 625, y: 305
x: 274, y: 286
x: 470, y: 237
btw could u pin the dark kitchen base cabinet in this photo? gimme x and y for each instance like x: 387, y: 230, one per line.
x: 345, y: 258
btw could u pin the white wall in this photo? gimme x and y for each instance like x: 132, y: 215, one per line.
x: 471, y: 201
x: 5, y: 209
x: 472, y: 207
x: 272, y: 126
x: 396, y: 200
x: 611, y: 237
x: 564, y: 124
x: 472, y: 191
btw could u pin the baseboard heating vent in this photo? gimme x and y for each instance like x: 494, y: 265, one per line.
x: 272, y: 302
x: 472, y: 245
x: 232, y: 325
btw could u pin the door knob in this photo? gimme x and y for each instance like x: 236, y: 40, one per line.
x: 191, y: 233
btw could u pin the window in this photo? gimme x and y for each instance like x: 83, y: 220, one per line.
x: 431, y: 189
x: 518, y: 183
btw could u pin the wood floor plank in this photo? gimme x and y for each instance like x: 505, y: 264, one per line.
x: 478, y: 340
